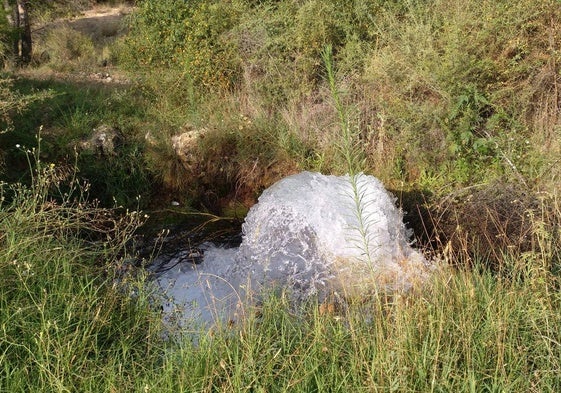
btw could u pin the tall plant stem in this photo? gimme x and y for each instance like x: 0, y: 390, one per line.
x: 349, y: 149
x: 348, y: 146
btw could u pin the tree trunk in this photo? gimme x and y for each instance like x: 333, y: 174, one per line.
x: 19, y: 19
x: 16, y: 25
x: 25, y: 32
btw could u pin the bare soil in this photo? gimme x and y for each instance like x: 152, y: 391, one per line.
x: 99, y: 22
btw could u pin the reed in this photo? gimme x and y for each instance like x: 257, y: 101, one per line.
x: 349, y: 148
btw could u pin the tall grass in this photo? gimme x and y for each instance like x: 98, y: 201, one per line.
x: 447, y: 95
x: 467, y: 332
x: 67, y: 324
x: 64, y: 323
x: 353, y: 156
x: 68, y: 113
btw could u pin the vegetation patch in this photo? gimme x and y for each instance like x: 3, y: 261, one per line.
x: 455, y: 107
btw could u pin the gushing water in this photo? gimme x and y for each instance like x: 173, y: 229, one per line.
x: 309, y: 234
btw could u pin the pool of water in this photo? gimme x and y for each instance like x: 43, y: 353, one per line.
x: 309, y: 234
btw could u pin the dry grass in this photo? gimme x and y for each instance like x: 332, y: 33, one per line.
x: 82, y: 43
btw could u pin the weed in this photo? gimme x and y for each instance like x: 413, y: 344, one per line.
x: 438, y: 95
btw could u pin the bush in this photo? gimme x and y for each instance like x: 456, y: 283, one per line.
x: 190, y: 36
x: 455, y: 84
x: 441, y: 95
x: 6, y: 37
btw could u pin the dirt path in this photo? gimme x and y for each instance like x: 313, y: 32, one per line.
x: 98, y: 23
x: 103, y: 25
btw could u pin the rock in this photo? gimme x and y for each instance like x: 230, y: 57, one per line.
x: 186, y: 144
x: 103, y: 141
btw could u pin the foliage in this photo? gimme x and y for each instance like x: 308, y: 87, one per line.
x: 438, y: 88
x: 6, y: 36
x: 442, y: 96
x: 13, y: 103
x: 68, y: 114
x: 457, y: 65
x: 432, y: 94
x: 71, y: 321
x: 121, y: 180
x: 190, y: 36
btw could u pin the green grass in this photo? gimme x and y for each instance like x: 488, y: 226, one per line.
x: 66, y: 325
x: 64, y: 322
x: 443, y: 97
x: 467, y: 331
x: 67, y: 116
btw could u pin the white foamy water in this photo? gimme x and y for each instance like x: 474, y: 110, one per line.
x: 310, y: 234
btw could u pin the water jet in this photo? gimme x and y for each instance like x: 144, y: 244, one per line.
x: 309, y: 235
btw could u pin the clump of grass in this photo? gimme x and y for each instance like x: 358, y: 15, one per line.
x: 14, y: 102
x: 464, y: 331
x: 236, y: 151
x: 69, y: 112
x: 69, y: 50
x: 64, y: 321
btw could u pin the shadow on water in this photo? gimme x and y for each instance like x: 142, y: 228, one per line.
x: 417, y: 216
x: 174, y: 235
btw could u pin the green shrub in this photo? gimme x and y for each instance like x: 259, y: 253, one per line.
x: 190, y: 36
x: 441, y: 74
x: 442, y: 92
x: 6, y: 37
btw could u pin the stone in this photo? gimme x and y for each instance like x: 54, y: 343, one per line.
x: 185, y: 145
x: 104, y: 141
